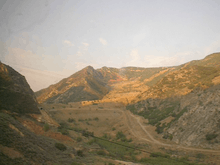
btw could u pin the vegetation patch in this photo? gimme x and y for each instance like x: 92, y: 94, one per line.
x: 60, y: 146
x: 211, y: 136
x: 63, y: 128
x: 117, y: 151
x: 46, y: 127
x: 71, y: 120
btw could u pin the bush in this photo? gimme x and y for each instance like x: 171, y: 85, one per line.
x: 200, y: 156
x: 46, y: 127
x: 63, y: 128
x: 91, y: 141
x: 60, y: 146
x: 211, y: 136
x: 78, y: 139
x: 120, y: 135
x: 101, y: 152
x: 71, y: 120
x: 96, y: 119
x: 130, y: 140
x: 80, y: 153
x: 159, y: 154
x: 81, y: 120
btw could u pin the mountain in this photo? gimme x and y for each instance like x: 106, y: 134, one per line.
x: 199, y: 125
x: 15, y: 93
x: 23, y: 138
x: 180, y: 102
x: 184, y: 104
x: 133, y: 84
x: 169, y: 97
x: 87, y: 84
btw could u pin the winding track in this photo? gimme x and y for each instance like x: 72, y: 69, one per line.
x: 133, y: 121
x: 138, y: 130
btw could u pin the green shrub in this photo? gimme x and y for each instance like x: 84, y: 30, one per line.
x: 46, y: 127
x: 79, y: 153
x: 120, y: 135
x: 115, y: 150
x: 158, y: 154
x: 96, y: 119
x: 91, y: 141
x: 130, y: 140
x: 111, y: 164
x: 168, y: 136
x: 200, y: 156
x: 211, y: 136
x: 71, y: 120
x: 101, y: 152
x: 60, y: 146
x: 79, y: 139
x: 80, y: 120
x: 63, y: 128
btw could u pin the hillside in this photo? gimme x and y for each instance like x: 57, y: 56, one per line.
x: 60, y: 133
x: 162, y: 95
x: 133, y: 84
x: 23, y: 139
x: 87, y: 84
x: 184, y: 104
x: 15, y: 93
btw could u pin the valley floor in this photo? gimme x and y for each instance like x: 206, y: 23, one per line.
x: 106, y: 119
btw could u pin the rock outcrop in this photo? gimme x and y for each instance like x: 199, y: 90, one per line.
x: 200, y: 124
x: 15, y: 93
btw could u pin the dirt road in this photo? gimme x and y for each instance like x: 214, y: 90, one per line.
x: 139, y: 131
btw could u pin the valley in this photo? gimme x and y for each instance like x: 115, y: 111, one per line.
x: 106, y: 119
x: 131, y: 115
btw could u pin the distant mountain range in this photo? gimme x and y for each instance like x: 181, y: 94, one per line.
x: 132, y: 84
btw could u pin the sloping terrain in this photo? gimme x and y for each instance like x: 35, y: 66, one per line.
x: 199, y: 125
x: 18, y: 145
x: 183, y: 105
x: 181, y: 102
x: 87, y: 84
x: 133, y: 84
x: 24, y: 140
x: 15, y: 93
x: 28, y: 138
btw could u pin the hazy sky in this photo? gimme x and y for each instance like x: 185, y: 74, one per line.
x: 47, y: 40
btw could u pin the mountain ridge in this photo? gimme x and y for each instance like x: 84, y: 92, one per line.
x: 151, y: 81
x: 86, y: 84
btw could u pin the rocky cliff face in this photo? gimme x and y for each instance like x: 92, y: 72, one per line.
x: 200, y: 124
x: 15, y: 93
x: 184, y: 104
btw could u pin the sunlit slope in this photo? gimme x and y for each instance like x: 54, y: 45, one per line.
x: 86, y: 84
x: 133, y: 84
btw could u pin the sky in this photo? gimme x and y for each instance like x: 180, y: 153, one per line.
x: 47, y: 40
